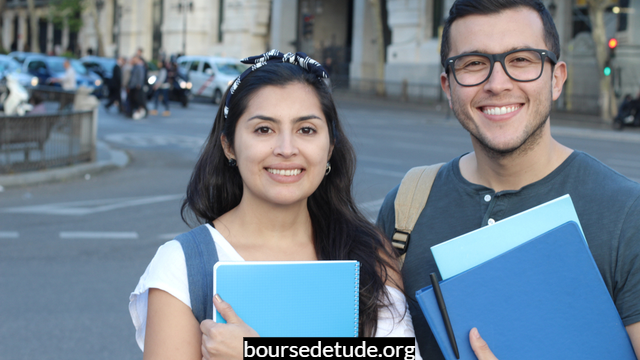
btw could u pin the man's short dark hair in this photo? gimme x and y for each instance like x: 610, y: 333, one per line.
x: 463, y: 8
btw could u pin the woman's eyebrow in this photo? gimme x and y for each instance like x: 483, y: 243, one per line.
x: 269, y: 118
x: 308, y: 117
x: 262, y: 117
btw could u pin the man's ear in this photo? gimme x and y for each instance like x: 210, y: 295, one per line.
x: 228, y: 150
x: 559, y: 77
x: 446, y: 86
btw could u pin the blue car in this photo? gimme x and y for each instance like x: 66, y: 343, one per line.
x: 49, y: 69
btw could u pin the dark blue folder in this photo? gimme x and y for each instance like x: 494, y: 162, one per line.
x: 544, y: 299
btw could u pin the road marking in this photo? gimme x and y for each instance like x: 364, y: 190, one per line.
x: 80, y: 208
x: 390, y: 173
x: 9, y: 235
x: 98, y: 235
x: 168, y: 236
x: 151, y: 140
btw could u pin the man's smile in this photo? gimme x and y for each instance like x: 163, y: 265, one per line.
x: 500, y: 110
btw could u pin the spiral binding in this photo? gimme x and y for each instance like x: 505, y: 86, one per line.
x: 357, y: 299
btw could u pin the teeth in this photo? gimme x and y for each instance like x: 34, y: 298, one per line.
x: 293, y: 172
x: 500, y: 110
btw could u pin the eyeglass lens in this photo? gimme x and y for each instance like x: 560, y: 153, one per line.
x: 475, y: 69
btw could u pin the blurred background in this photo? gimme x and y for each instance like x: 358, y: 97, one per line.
x: 106, y: 105
x: 389, y: 47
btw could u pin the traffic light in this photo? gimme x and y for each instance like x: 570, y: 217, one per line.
x: 613, y: 44
x: 607, y: 70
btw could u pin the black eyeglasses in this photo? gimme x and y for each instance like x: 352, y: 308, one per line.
x: 520, y: 65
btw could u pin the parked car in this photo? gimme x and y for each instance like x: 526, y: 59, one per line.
x: 211, y: 76
x: 102, y: 66
x: 10, y: 66
x: 19, y: 56
x: 47, y: 68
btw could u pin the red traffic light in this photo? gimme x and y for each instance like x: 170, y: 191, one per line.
x: 613, y: 43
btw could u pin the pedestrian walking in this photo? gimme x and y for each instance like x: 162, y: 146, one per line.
x: 115, y: 85
x: 135, y: 86
x: 124, y: 93
x: 161, y: 88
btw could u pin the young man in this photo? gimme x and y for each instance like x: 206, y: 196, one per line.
x: 503, y: 100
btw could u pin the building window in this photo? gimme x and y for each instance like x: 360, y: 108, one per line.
x: 438, y: 17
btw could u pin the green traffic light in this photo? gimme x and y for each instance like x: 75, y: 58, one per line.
x: 607, y: 71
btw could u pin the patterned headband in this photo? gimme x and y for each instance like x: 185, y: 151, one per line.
x: 274, y: 56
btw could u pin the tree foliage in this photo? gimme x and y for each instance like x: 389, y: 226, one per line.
x: 69, y: 9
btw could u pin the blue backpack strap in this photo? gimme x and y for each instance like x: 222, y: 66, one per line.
x: 200, y: 255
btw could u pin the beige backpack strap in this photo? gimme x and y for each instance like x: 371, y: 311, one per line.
x: 411, y: 198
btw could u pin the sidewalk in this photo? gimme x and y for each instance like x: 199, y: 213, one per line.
x: 108, y: 158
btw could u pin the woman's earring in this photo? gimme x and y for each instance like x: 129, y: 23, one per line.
x: 233, y: 162
x: 326, y: 172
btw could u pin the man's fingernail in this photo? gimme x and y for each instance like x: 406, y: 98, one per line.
x: 218, y: 298
x: 475, y: 333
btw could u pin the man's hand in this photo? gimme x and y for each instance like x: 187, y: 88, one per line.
x: 224, y: 341
x: 479, y: 346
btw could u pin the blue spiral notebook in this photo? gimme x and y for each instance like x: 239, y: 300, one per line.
x: 292, y: 298
x: 544, y: 299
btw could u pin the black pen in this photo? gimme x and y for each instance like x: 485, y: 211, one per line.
x: 445, y: 314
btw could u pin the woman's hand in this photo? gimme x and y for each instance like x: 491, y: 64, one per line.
x: 224, y: 341
x: 479, y: 346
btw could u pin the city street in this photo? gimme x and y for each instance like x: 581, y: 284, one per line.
x: 71, y: 252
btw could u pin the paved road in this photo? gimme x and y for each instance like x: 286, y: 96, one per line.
x: 71, y: 252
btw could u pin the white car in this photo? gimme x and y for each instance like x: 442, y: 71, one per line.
x: 211, y: 76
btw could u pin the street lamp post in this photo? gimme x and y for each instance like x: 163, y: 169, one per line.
x: 116, y: 28
x: 183, y: 6
x: 99, y: 7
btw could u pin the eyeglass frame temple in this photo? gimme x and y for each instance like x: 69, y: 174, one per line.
x: 544, y: 54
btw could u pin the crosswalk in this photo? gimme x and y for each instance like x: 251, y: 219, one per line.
x: 154, y: 140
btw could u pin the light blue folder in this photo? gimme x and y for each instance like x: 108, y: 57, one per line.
x: 292, y: 298
x: 471, y: 249
x: 544, y: 299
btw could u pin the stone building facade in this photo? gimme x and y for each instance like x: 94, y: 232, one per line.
x: 349, y: 32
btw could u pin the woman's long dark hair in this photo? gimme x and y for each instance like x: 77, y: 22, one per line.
x: 341, y: 232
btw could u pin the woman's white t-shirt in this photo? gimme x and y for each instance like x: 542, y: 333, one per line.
x: 168, y: 272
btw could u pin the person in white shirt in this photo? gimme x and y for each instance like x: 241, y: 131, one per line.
x: 273, y: 183
x: 68, y: 81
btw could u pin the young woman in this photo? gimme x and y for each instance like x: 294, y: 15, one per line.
x: 273, y: 183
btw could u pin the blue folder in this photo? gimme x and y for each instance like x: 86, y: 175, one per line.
x: 544, y: 299
x: 292, y: 298
x: 466, y: 251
